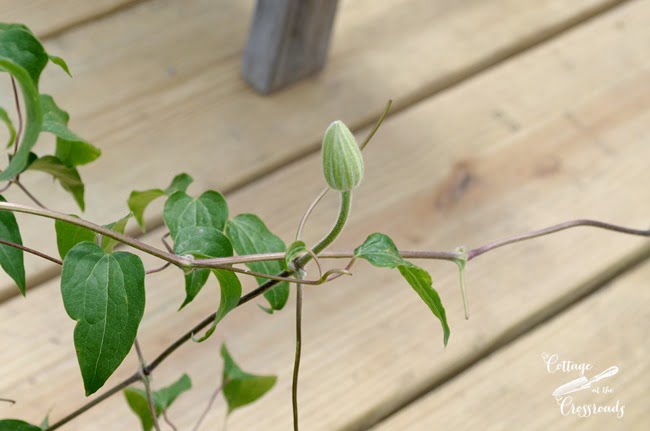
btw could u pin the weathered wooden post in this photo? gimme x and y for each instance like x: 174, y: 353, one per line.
x: 288, y: 41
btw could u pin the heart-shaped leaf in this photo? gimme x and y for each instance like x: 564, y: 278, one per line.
x: 249, y: 235
x: 140, y: 199
x: 162, y: 400
x: 239, y: 387
x: 105, y: 294
x: 70, y: 148
x: 208, y: 210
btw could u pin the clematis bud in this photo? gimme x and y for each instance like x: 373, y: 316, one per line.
x: 342, y: 159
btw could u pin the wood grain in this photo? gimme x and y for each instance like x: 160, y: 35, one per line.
x: 452, y: 170
x: 47, y: 19
x: 513, y: 387
x: 159, y: 84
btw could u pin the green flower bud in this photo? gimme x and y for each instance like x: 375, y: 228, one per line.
x: 342, y: 159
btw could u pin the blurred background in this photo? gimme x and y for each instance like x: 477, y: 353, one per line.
x: 508, y: 116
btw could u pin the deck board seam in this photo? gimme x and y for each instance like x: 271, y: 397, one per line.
x: 89, y: 19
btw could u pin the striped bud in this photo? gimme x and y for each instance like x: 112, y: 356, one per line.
x: 342, y: 160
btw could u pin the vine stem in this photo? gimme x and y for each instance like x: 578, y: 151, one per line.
x: 29, y: 194
x: 125, y: 239
x: 213, y: 397
x: 147, y: 385
x: 32, y: 251
x: 187, y: 336
x: 296, y: 363
x: 169, y: 422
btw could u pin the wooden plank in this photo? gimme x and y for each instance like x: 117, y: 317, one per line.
x: 514, y: 387
x: 160, y: 84
x: 370, y: 345
x: 288, y: 41
x: 47, y: 19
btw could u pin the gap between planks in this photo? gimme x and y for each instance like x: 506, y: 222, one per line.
x: 561, y: 306
x: 400, y: 104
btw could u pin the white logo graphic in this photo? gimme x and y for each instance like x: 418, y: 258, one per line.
x: 566, y: 402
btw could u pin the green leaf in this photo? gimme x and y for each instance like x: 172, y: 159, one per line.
x: 162, y: 400
x: 45, y: 423
x: 194, y: 282
x: 105, y: 294
x: 230, y: 294
x: 380, y: 251
x: 119, y: 226
x: 420, y: 281
x: 4, y: 117
x: 294, y: 251
x: 23, y: 56
x: 61, y: 63
x: 70, y: 148
x: 17, y: 425
x: 19, y: 45
x: 68, y: 235
x: 165, y: 397
x: 139, y: 200
x: 180, y: 183
x: 249, y: 235
x: 202, y: 242
x: 239, y: 387
x: 68, y: 176
x: 181, y: 211
x: 137, y: 401
x: 207, y: 242
x: 11, y: 259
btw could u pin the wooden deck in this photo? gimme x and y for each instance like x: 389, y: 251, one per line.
x: 509, y: 115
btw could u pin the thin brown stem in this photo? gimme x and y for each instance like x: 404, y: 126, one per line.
x: 552, y: 229
x: 7, y: 400
x: 6, y: 187
x: 311, y: 207
x: 168, y: 421
x: 162, y: 268
x: 165, y: 243
x: 213, y: 397
x: 32, y: 251
x: 28, y: 193
x: 147, y: 385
